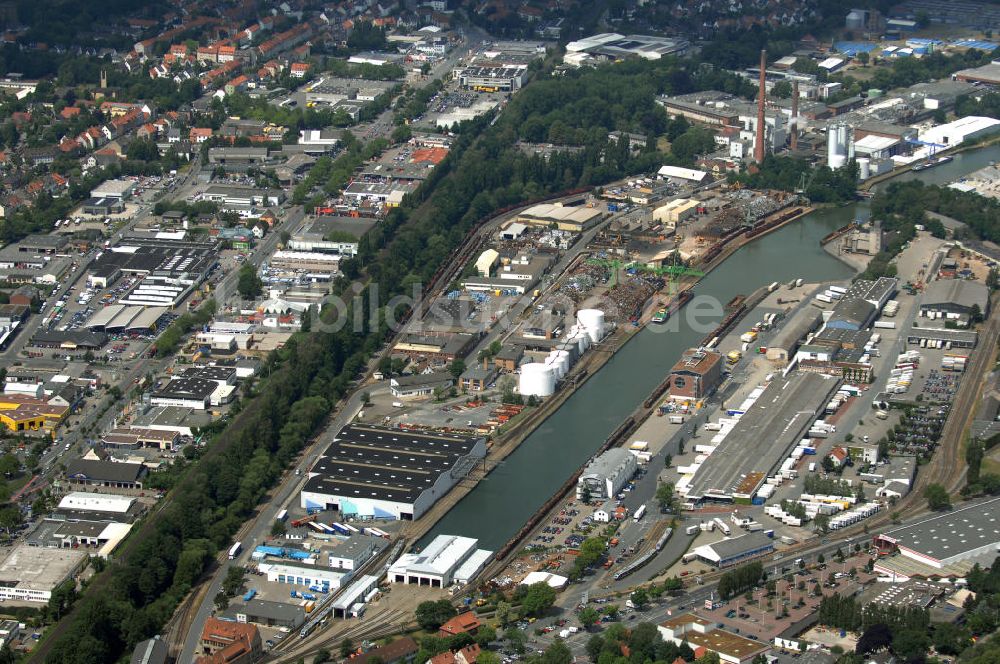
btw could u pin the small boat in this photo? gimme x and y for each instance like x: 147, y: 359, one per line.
x: 932, y: 162
x: 661, y: 316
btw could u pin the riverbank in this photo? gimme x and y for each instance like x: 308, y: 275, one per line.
x: 513, y: 438
x: 868, y: 184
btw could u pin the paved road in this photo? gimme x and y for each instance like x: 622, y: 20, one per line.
x: 259, y: 529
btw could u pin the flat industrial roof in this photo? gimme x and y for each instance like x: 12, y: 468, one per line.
x: 952, y: 534
x: 386, y: 464
x: 440, y: 557
x: 763, y: 435
x: 39, y: 568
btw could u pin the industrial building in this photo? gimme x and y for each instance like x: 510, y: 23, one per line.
x: 270, y: 614
x: 702, y: 634
x: 786, y: 342
x: 565, y: 218
x: 119, y: 475
x: 605, y: 476
x: 957, y: 338
x: 858, y: 307
x: 30, y: 574
x: 439, y: 563
x: 419, y: 386
x: 299, y: 573
x: 733, y: 551
x: 987, y: 74
x: 120, y: 189
x: 769, y: 429
x: 504, y: 78
x: 185, y: 393
x: 956, y: 132
x: 612, y: 47
x: 676, y: 211
x: 377, y: 472
x: 954, y: 299
x: 696, y: 375
x: 958, y: 536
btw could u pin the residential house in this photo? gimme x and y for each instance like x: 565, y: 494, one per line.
x: 228, y: 642
x: 464, y: 623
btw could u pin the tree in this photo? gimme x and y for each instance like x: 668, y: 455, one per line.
x: 248, y: 283
x: 950, y: 639
x: 322, y: 655
x: 502, y: 613
x: 62, y: 598
x: 488, y: 657
x: 875, y: 638
x: 673, y: 585
x: 277, y: 529
x: 640, y: 598
x: 668, y: 460
x: 538, y: 599
x: 432, y: 614
x: 9, y: 464
x: 143, y: 149
x: 456, y: 368
x: 937, y: 497
x: 557, y: 653
x: 221, y: 601
x: 911, y: 644
x: 863, y: 58
x: 588, y: 616
x: 666, y: 497
x: 782, y: 90
x: 585, y: 495
x: 346, y: 648
x: 516, y: 638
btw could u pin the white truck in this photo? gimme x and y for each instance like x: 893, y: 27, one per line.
x: 677, y: 419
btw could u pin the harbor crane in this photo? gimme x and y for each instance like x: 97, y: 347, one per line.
x: 933, y: 146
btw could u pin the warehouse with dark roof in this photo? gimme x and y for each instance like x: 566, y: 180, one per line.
x: 385, y: 473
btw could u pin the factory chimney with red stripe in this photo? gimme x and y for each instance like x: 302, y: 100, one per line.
x: 758, y: 148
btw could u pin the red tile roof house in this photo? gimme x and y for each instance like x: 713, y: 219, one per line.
x: 199, y: 134
x: 467, y: 655
x: 838, y: 455
x: 464, y: 623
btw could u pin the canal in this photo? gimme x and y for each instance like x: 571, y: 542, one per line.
x: 500, y: 504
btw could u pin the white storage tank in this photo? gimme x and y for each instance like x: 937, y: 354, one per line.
x: 836, y: 161
x: 537, y: 379
x: 572, y: 349
x: 864, y: 168
x: 552, y: 363
x: 592, y: 320
x: 553, y: 360
x: 564, y: 359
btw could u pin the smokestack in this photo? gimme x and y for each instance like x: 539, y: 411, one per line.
x: 795, y: 116
x: 758, y: 148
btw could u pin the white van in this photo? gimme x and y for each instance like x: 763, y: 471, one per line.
x: 812, y: 467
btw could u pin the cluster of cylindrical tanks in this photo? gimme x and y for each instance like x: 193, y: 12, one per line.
x: 539, y: 378
x: 837, y: 152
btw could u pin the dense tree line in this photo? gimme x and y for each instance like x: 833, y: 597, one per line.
x: 740, y: 579
x: 987, y: 104
x: 904, y: 72
x: 844, y: 612
x: 908, y: 201
x: 983, y: 610
x: 819, y: 184
x: 643, y: 643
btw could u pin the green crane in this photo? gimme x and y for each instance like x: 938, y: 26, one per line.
x: 614, y: 265
x: 672, y: 272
